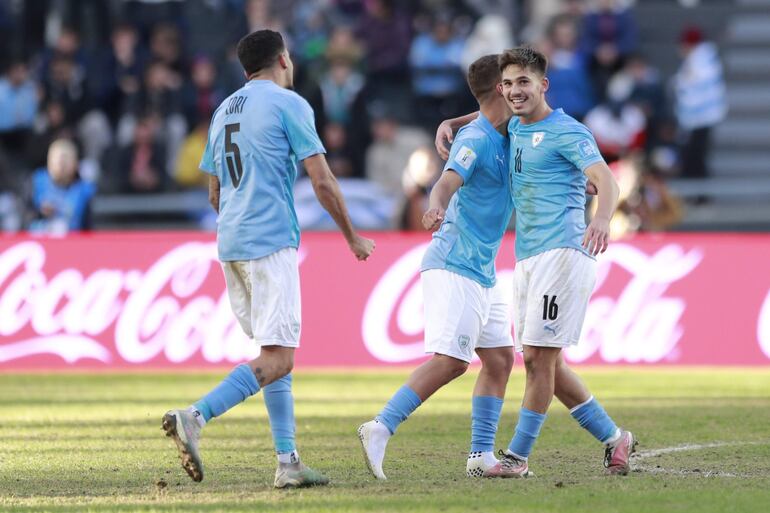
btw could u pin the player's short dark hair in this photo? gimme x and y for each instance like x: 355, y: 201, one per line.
x: 483, y: 76
x: 525, y: 58
x: 259, y: 50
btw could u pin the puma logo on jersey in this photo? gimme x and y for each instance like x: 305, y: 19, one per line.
x: 537, y: 138
x: 465, y: 157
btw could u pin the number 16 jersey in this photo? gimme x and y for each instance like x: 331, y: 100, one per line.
x: 256, y: 138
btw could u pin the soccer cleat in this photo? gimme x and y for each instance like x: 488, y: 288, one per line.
x: 616, y: 459
x: 509, y: 466
x: 298, y: 475
x: 185, y: 430
x: 477, y: 467
x: 374, y: 438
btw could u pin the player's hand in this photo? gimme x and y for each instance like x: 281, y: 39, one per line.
x: 444, y: 136
x: 432, y: 219
x: 361, y: 247
x: 597, y: 236
x: 591, y: 189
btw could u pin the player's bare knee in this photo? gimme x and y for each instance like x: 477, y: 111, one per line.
x: 453, y: 367
x: 496, y: 361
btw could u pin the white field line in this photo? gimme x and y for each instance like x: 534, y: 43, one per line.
x: 642, y: 455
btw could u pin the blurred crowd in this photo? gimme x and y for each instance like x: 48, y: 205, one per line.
x: 115, y: 97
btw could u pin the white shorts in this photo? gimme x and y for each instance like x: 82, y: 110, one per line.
x: 462, y: 316
x: 550, y: 296
x: 265, y: 297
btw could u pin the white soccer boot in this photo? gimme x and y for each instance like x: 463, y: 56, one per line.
x: 374, y: 437
x: 480, y: 465
x: 298, y: 475
x: 182, y: 426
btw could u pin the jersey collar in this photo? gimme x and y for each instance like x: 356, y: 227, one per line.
x: 487, y: 126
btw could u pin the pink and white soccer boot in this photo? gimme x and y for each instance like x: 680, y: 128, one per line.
x: 509, y: 466
x: 616, y: 458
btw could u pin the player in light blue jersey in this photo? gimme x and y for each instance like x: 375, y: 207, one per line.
x: 465, y: 311
x: 256, y: 138
x: 551, y: 156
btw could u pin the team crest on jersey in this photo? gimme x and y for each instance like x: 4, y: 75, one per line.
x: 465, y: 157
x: 463, y: 341
x: 586, y: 149
x: 537, y: 138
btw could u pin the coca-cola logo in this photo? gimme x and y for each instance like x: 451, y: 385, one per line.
x: 161, y: 312
x: 641, y: 324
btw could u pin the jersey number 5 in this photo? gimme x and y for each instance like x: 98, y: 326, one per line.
x: 233, y: 154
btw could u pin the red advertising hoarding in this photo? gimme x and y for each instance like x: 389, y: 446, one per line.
x: 150, y: 300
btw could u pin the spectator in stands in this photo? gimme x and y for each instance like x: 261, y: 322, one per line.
x: 437, y: 74
x: 389, y: 153
x: 339, y: 86
x: 49, y: 127
x: 67, y: 46
x: 61, y: 199
x: 419, y: 175
x: 385, y: 32
x: 187, y: 174
x: 18, y: 106
x: 491, y: 34
x: 701, y: 100
x: 335, y: 142
x: 343, y: 45
x: 161, y: 96
x: 119, y: 79
x: 570, y: 84
x: 141, y: 167
x: 202, y: 94
x: 617, y: 124
x: 609, y: 35
x: 166, y: 47
x: 648, y: 94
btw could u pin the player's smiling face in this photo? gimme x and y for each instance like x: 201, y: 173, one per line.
x: 523, y: 90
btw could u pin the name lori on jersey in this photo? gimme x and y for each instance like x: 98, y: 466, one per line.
x: 235, y: 105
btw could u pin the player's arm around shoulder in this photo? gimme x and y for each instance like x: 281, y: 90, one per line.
x: 327, y: 190
x: 446, y: 130
x: 597, y: 234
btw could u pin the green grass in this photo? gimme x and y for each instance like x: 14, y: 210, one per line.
x: 93, y: 443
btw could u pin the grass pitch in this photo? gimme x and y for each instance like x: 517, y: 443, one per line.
x: 78, y: 443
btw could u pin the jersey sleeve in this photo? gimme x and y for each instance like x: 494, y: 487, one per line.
x: 207, y: 160
x: 579, y: 148
x: 299, y: 123
x: 464, y: 156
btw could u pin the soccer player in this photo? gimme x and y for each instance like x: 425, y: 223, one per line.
x: 255, y: 139
x: 551, y: 154
x: 465, y: 310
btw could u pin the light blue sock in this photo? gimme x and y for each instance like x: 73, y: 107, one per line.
x: 527, y: 431
x: 400, y: 406
x: 238, y: 386
x: 485, y: 415
x: 592, y: 417
x: 280, y: 408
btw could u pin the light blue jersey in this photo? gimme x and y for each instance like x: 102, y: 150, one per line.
x: 478, y: 213
x: 547, y: 161
x: 255, y: 140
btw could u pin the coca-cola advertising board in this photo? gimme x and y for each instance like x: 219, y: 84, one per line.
x: 154, y: 300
